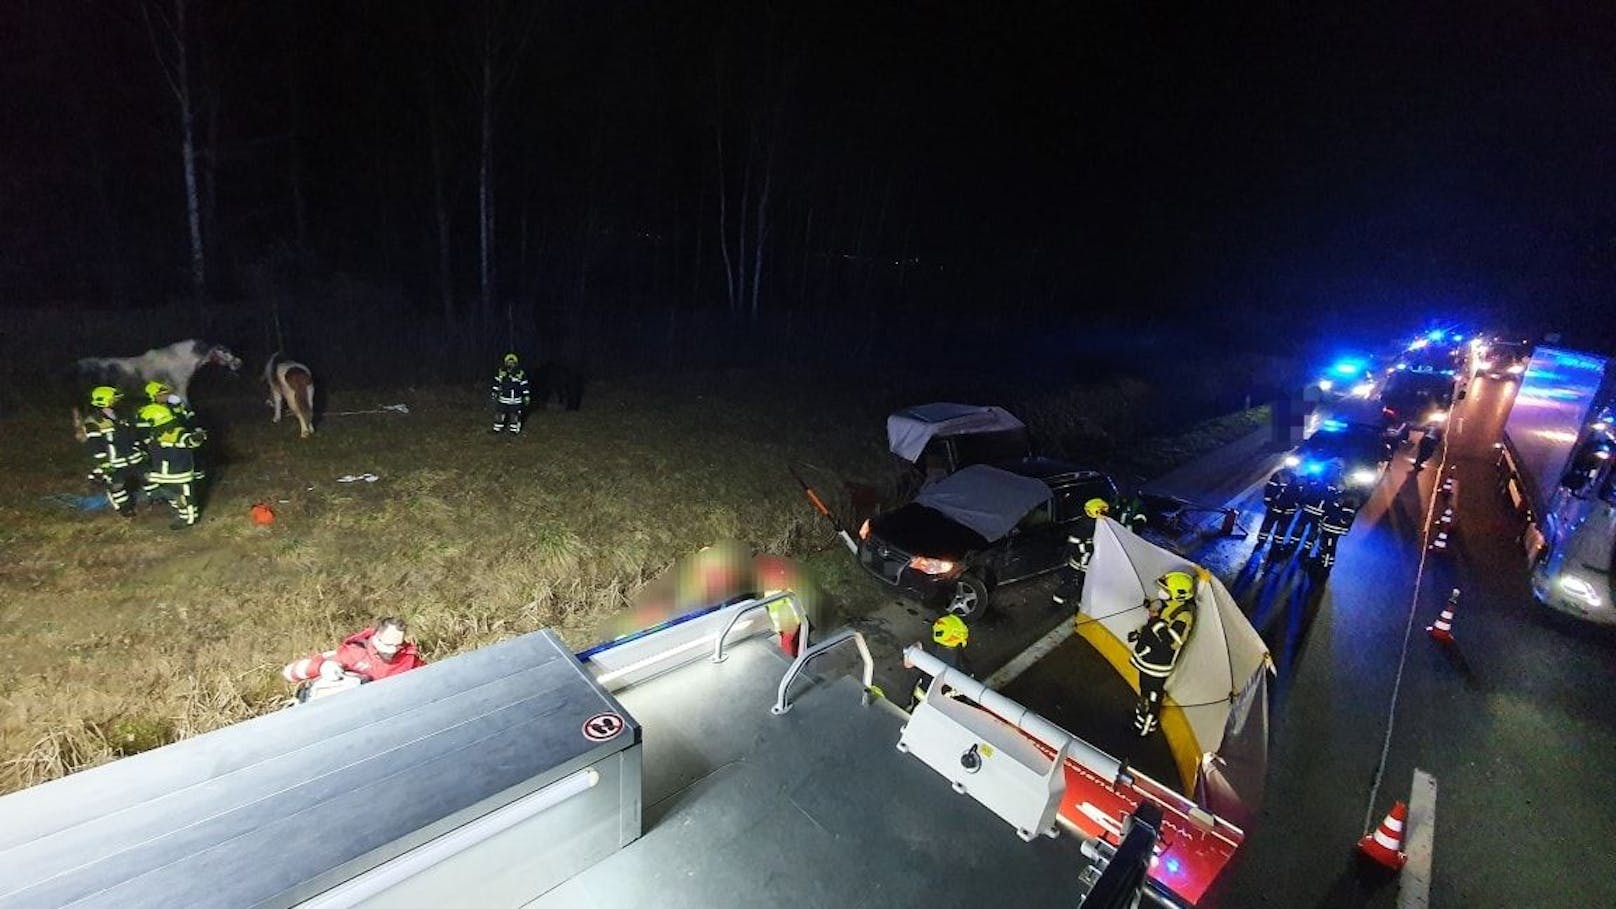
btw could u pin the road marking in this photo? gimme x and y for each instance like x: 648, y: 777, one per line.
x: 1026, y: 658
x: 1414, y: 886
x: 1408, y: 629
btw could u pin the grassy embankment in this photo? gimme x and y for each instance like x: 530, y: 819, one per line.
x: 123, y: 635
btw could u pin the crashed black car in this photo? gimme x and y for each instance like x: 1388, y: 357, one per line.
x: 978, y: 529
x: 1353, y: 455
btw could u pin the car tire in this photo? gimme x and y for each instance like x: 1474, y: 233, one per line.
x: 970, y: 599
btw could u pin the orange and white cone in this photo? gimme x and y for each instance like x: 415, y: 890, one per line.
x: 1385, y: 845
x: 1442, y: 630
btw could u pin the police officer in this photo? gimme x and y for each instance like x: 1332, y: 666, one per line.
x: 1158, y: 643
x: 1339, y: 513
x: 949, y: 635
x: 1079, y: 550
x: 172, y: 476
x: 511, y: 395
x: 113, y: 447
x: 1280, y: 498
x: 1315, y: 492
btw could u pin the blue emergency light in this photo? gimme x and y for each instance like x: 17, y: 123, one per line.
x: 1312, y: 467
x: 1332, y: 426
x: 1348, y: 368
x: 1436, y: 335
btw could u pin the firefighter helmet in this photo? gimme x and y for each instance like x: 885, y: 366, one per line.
x: 950, y: 631
x: 510, y: 359
x: 156, y: 415
x: 1096, y: 506
x: 157, y: 391
x: 1175, y: 586
x: 104, y: 396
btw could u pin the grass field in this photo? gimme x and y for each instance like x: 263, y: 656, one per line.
x: 123, y: 635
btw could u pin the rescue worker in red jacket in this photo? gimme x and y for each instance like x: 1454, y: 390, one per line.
x: 375, y: 653
x: 1156, y: 646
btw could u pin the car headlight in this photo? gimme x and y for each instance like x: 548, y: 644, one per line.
x: 1436, y: 416
x: 927, y: 565
x: 1579, y: 589
x: 1363, y: 390
x: 1325, y: 385
x: 1292, y: 461
x: 1516, y: 370
x: 1363, y: 476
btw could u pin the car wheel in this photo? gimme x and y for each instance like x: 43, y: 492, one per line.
x: 970, y: 598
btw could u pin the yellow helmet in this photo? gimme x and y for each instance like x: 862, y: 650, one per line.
x: 950, y: 631
x: 1096, y: 506
x: 510, y: 359
x: 104, y: 396
x: 1175, y: 586
x: 155, y: 415
x: 157, y: 391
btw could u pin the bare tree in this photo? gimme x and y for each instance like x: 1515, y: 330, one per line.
x: 500, y: 51
x: 170, y: 43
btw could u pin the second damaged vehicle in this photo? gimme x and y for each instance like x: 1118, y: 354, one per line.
x: 979, y: 529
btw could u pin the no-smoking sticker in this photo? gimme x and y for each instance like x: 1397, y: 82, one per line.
x: 603, y: 726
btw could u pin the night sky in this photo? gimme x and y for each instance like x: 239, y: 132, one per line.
x: 1333, y: 170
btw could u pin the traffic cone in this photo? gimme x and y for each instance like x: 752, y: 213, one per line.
x: 1385, y: 845
x: 1442, y: 630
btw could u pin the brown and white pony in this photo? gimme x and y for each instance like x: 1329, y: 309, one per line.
x: 291, y: 384
x: 173, y: 365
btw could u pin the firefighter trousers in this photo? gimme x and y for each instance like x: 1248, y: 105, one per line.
x: 181, y: 497
x: 121, y: 483
x: 1303, y: 531
x: 1275, y: 523
x: 1073, y: 572
x: 1152, y: 691
x: 508, y: 416
x: 1328, y: 540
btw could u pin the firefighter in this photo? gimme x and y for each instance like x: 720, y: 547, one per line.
x: 1280, y: 498
x: 377, y: 652
x: 112, y: 444
x: 158, y: 393
x: 1315, y: 492
x: 172, y: 475
x: 949, y: 635
x: 1158, y: 643
x: 1079, y: 550
x: 1132, y: 515
x: 1428, y: 443
x: 1339, y: 513
x: 511, y: 395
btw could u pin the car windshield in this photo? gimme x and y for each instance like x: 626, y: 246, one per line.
x: 990, y: 447
x: 1352, y: 443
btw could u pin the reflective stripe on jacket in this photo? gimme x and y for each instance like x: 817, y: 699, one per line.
x: 511, y: 386
x: 172, y: 457
x: 110, y: 442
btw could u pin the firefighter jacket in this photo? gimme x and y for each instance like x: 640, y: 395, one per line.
x: 173, y: 454
x: 1315, y: 495
x: 111, y: 442
x: 356, y: 655
x: 511, y: 387
x: 1281, y: 494
x: 176, y: 405
x: 1081, y: 532
x: 1157, y: 645
x: 1339, y: 515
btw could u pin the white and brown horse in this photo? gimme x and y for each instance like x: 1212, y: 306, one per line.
x: 173, y: 365
x: 292, y: 384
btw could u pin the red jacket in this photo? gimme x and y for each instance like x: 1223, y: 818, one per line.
x: 355, y: 655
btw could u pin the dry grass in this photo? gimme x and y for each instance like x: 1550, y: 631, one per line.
x: 123, y: 635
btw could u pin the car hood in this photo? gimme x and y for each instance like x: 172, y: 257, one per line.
x: 918, y: 530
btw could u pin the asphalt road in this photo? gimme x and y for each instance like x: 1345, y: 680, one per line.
x: 1516, y: 723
